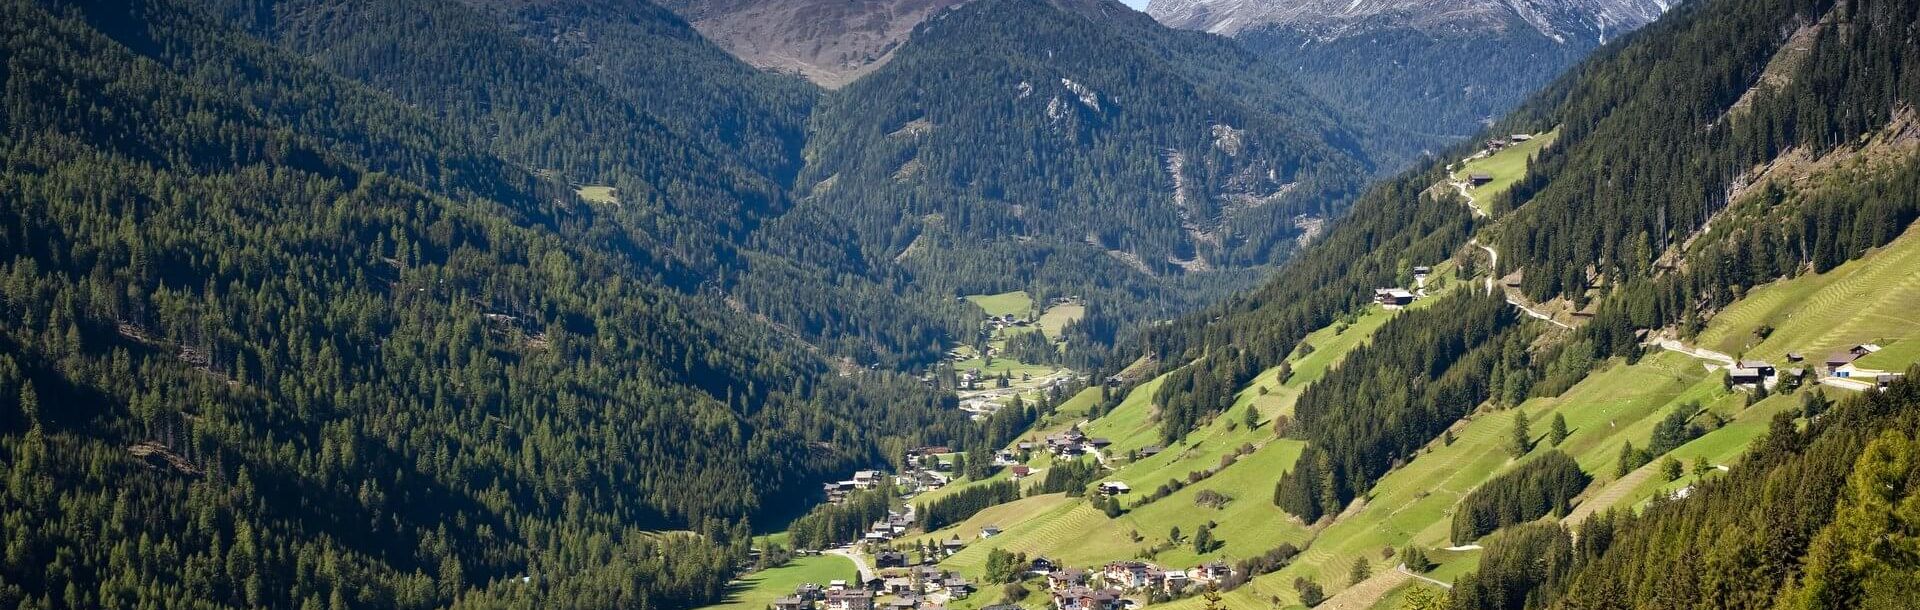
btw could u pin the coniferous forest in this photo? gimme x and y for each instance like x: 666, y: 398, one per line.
x: 555, y: 304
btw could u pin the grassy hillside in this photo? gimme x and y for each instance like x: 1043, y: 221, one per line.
x: 758, y: 590
x: 1505, y: 167
x: 1866, y: 300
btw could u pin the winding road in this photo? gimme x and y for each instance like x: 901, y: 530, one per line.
x: 859, y: 561
x: 1402, y: 568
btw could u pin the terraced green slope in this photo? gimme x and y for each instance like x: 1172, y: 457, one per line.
x: 1870, y: 299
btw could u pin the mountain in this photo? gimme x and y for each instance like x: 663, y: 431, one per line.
x: 1437, y: 69
x: 310, y: 329
x: 1597, y: 390
x: 1076, y: 148
x: 830, y: 42
x: 1326, y: 20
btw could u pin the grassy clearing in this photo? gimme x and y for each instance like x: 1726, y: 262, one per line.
x: 1248, y: 525
x: 1057, y: 317
x: 1506, y: 166
x: 1866, y: 300
x: 1004, y: 365
x: 758, y: 590
x: 1896, y: 356
x: 598, y: 194
x: 1003, y: 516
x: 1018, y: 303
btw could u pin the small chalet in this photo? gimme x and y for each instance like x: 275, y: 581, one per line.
x: 1741, y: 375
x: 890, y: 559
x: 989, y: 531
x: 1883, y: 380
x: 956, y: 587
x: 1114, y: 488
x: 1020, y: 472
x: 1479, y: 178
x: 899, y: 585
x: 1210, y: 572
x: 1063, y: 578
x: 1150, y: 451
x: 866, y: 479
x: 1040, y: 566
x: 952, y: 545
x: 1174, y: 581
x: 907, y: 602
x: 1796, y: 357
x: 1763, y: 367
x: 1840, y: 359
x: 1392, y: 297
x: 1423, y: 270
x: 791, y: 603
x: 1099, y: 443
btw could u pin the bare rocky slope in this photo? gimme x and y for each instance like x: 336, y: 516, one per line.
x: 830, y: 42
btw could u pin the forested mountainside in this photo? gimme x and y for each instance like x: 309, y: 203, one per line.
x: 853, y: 218
x: 1436, y: 70
x: 1733, y: 144
x: 693, y: 145
x: 274, y: 338
x: 1074, y: 146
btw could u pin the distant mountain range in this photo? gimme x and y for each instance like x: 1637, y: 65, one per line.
x: 1566, y: 21
x: 1433, y: 68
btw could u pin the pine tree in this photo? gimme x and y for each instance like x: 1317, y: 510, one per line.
x: 1360, y: 572
x: 1558, y: 432
x: 1522, y: 440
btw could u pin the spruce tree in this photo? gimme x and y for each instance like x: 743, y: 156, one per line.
x: 1522, y: 441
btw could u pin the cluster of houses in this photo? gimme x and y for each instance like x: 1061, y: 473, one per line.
x: 1842, y: 364
x: 895, y: 525
x: 900, y: 588
x: 1070, y: 444
x: 1107, y: 588
x: 864, y: 479
x: 1494, y: 145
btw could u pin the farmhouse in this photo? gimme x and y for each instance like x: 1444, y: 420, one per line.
x: 1741, y: 375
x: 1040, y: 566
x: 890, y: 559
x: 866, y: 479
x: 1020, y: 472
x: 1114, y: 488
x: 1761, y: 366
x: 1479, y: 178
x: 1392, y: 297
x: 791, y: 603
